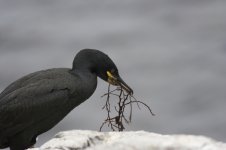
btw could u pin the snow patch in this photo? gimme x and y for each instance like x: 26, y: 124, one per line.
x: 133, y: 140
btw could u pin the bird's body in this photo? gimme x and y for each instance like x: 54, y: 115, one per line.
x: 46, y: 96
x: 35, y: 103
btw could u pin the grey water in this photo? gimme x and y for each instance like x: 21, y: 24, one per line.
x: 171, y: 52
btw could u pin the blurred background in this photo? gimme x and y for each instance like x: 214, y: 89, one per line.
x: 171, y: 52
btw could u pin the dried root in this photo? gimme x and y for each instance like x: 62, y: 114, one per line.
x: 125, y: 99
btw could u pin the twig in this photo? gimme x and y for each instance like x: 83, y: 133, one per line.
x: 116, y: 123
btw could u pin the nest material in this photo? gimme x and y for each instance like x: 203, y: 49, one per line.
x: 125, y: 100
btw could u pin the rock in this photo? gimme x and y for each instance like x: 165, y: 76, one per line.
x: 139, y: 140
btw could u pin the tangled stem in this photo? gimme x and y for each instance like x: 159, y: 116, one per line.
x: 125, y: 99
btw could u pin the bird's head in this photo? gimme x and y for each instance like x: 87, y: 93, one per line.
x: 99, y: 63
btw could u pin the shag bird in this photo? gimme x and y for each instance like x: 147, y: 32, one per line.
x: 35, y: 103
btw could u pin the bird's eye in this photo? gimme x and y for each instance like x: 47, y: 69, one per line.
x: 112, y: 70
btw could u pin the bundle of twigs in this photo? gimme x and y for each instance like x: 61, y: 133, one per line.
x: 116, y: 123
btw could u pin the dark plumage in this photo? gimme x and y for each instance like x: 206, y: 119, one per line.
x: 35, y: 103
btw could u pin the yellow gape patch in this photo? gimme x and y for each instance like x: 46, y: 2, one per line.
x: 111, y: 78
x: 110, y: 75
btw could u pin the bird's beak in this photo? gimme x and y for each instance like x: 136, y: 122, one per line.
x: 117, y: 80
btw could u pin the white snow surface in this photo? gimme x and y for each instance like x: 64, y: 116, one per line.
x: 133, y: 140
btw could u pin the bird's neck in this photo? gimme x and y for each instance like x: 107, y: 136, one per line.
x: 89, y: 81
